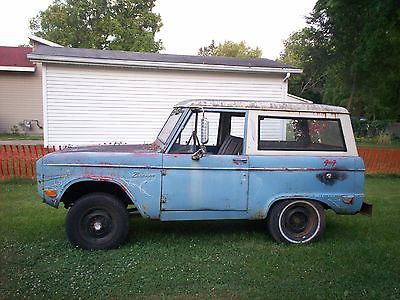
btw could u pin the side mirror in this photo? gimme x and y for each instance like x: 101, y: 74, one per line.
x: 204, y: 131
x: 199, y: 153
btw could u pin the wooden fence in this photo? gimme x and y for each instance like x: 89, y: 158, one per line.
x: 380, y: 160
x: 18, y: 161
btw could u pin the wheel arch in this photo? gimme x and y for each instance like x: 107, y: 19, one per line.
x: 83, y: 186
x: 294, y: 198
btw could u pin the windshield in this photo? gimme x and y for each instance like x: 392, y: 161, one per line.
x: 169, y: 125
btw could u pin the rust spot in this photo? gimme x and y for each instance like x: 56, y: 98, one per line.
x: 123, y: 188
x: 259, y: 214
x: 98, y: 178
x: 330, y: 177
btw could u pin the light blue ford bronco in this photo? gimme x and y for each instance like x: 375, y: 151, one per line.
x: 283, y: 162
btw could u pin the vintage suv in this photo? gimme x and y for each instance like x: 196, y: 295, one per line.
x: 282, y: 162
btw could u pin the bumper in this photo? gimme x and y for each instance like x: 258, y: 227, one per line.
x: 366, y: 209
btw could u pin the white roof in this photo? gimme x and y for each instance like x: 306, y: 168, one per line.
x: 293, y: 98
x: 43, y: 41
x: 263, y: 105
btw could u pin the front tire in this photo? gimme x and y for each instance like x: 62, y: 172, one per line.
x: 296, y: 221
x: 97, y: 221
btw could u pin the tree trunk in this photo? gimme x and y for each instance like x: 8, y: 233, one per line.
x: 353, y: 90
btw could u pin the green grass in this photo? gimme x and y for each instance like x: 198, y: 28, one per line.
x: 11, y: 137
x: 375, y: 143
x: 358, y: 257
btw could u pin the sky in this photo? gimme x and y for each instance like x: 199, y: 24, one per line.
x: 190, y: 24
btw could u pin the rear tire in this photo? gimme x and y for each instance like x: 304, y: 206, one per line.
x: 97, y: 221
x: 296, y: 221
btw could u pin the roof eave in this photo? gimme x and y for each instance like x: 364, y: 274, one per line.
x: 157, y: 65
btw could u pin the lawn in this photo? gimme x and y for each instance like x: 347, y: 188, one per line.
x: 358, y: 257
x: 375, y: 143
x: 11, y: 137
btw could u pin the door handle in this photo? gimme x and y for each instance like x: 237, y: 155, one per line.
x: 240, y: 160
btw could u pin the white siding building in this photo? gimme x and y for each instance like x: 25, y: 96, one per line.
x: 97, y: 96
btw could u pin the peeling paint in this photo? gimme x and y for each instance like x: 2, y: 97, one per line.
x: 216, y: 186
x: 264, y: 105
x: 330, y: 177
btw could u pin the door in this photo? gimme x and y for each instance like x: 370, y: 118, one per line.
x: 216, y: 182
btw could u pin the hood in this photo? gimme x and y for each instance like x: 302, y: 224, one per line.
x: 105, y: 155
x: 115, y: 148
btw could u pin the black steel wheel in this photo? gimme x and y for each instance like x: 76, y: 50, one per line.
x: 97, y: 221
x: 296, y: 221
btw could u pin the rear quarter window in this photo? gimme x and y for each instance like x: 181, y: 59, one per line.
x: 302, y: 134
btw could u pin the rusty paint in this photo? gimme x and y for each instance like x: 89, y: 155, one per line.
x: 264, y: 105
x: 330, y: 177
x: 260, y: 215
x: 377, y: 160
x: 123, y: 188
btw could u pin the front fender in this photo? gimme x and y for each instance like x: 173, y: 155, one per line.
x: 55, y: 202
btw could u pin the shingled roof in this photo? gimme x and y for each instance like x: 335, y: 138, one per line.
x: 15, y: 59
x: 156, y: 60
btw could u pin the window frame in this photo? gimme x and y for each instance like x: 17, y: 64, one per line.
x: 252, y: 133
x: 188, y: 115
x: 338, y: 121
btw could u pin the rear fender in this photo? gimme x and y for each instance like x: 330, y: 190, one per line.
x: 341, y: 204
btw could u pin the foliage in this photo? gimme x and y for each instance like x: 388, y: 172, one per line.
x: 353, y: 48
x: 358, y: 257
x: 14, y: 129
x: 102, y: 24
x: 383, y: 140
x: 230, y: 49
x: 366, y: 128
x: 308, y: 50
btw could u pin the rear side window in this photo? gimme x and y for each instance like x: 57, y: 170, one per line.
x: 302, y: 134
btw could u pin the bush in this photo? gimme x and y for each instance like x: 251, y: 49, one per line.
x: 365, y: 128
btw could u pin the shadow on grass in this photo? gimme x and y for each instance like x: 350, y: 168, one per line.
x: 149, y: 230
x: 338, y: 228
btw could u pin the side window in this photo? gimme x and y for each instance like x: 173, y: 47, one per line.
x: 305, y: 134
x: 226, y: 131
x: 186, y: 135
x: 213, y: 123
x: 237, y: 126
x: 187, y: 132
x: 187, y: 141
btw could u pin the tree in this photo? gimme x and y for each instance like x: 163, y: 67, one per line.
x: 366, y: 36
x: 308, y: 50
x: 230, y: 49
x: 354, y: 46
x: 101, y: 24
